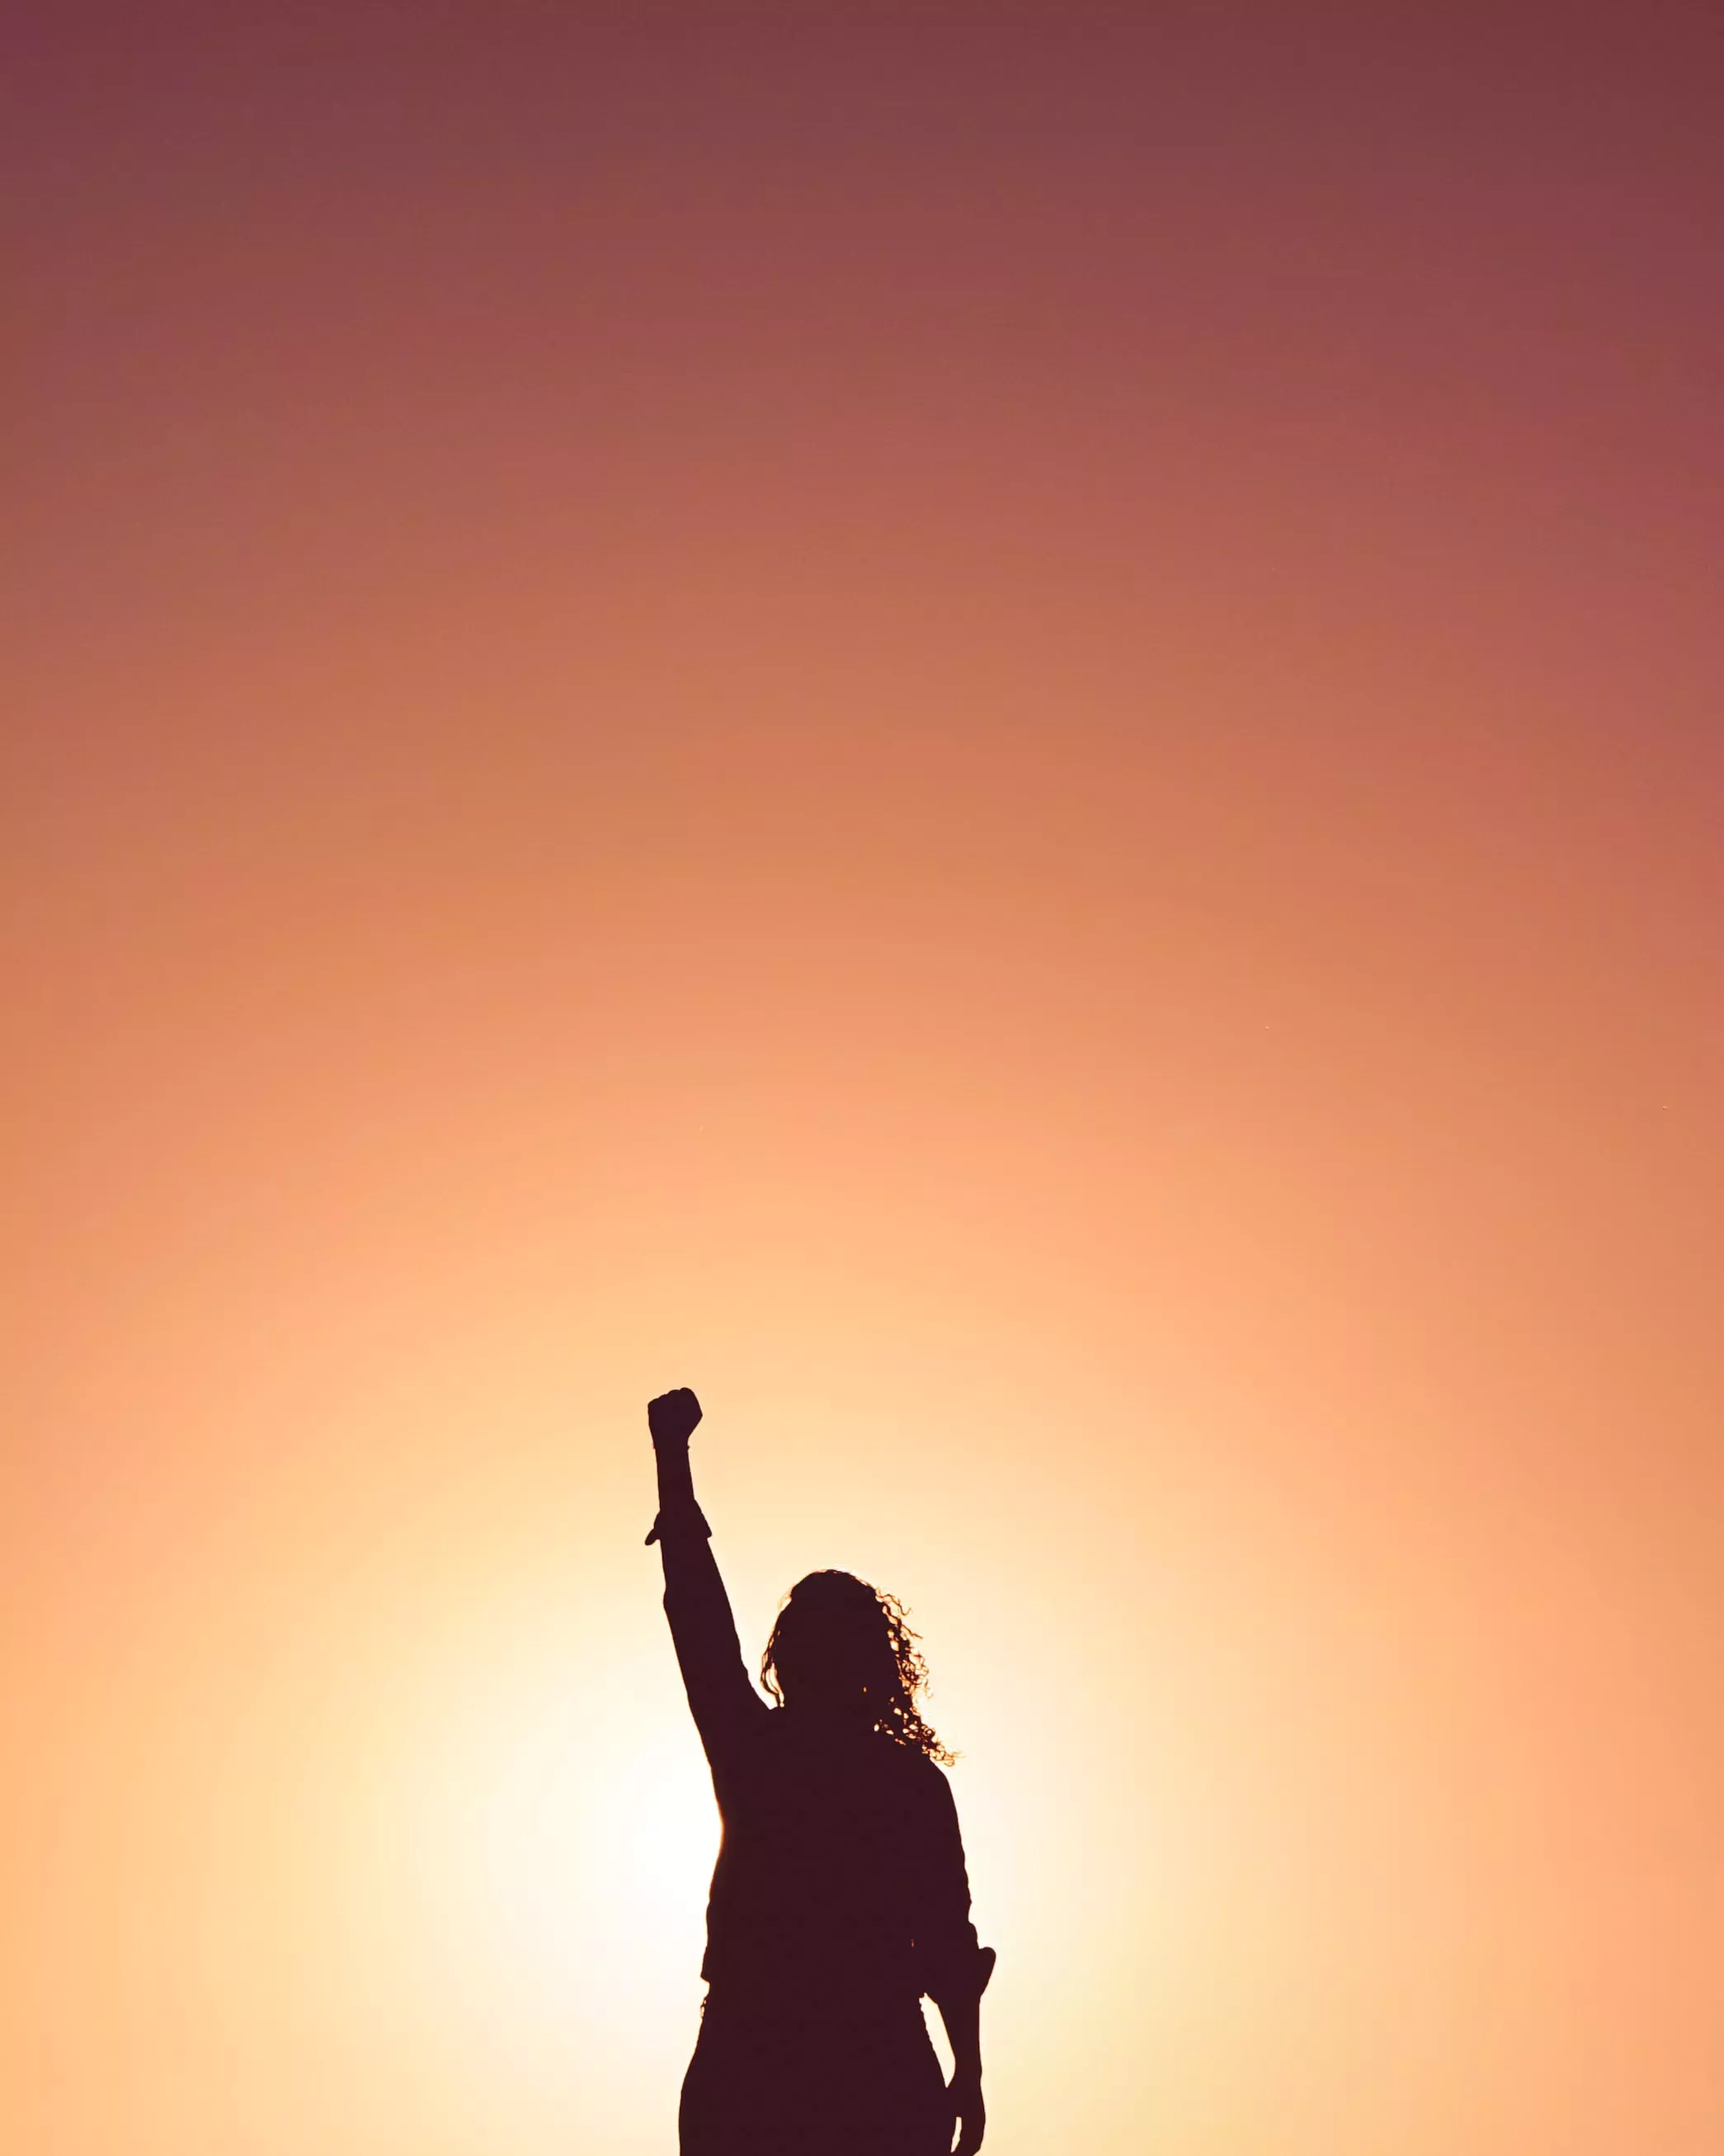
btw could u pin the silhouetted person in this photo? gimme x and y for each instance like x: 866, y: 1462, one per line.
x: 839, y: 1895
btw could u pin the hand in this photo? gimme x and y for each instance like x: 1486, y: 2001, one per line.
x: 969, y: 2114
x: 672, y: 1417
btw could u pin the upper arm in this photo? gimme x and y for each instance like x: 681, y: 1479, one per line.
x: 723, y: 1701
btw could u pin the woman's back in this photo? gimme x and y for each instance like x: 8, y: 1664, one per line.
x: 841, y: 1865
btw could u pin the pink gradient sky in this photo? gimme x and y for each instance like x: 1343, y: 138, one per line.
x: 997, y: 729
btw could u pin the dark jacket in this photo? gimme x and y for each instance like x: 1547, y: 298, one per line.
x: 841, y: 1872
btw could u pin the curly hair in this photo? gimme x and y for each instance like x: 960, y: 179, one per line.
x: 845, y: 1622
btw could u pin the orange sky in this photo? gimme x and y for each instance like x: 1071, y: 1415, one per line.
x: 997, y: 731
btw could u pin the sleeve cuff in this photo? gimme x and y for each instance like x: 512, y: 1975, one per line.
x: 680, y: 1522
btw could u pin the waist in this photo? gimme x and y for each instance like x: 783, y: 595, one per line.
x: 770, y: 2002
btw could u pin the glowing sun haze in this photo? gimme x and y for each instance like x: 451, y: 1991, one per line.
x: 996, y: 729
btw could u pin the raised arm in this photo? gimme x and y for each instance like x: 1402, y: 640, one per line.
x: 720, y: 1698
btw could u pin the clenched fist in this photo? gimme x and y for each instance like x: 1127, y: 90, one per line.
x: 672, y: 1417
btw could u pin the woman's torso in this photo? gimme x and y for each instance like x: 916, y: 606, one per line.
x: 828, y: 1838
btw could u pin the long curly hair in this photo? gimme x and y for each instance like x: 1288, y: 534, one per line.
x: 855, y: 1639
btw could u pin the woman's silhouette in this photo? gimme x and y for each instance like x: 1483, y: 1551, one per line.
x: 839, y: 1895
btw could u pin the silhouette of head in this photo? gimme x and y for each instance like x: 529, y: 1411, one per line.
x: 843, y: 1652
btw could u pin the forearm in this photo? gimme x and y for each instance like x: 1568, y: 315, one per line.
x: 676, y: 1477
x: 693, y: 1587
x: 701, y: 1626
x: 672, y: 1419
x: 963, y: 2016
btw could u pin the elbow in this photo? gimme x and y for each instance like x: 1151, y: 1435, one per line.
x: 958, y: 1979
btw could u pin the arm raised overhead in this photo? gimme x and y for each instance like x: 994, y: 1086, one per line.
x: 722, y: 1701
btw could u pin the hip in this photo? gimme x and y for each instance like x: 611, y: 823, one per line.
x: 789, y: 2075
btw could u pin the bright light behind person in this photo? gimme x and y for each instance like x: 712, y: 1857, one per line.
x: 540, y: 1846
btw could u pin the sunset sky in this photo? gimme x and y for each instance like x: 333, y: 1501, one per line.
x: 997, y: 729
